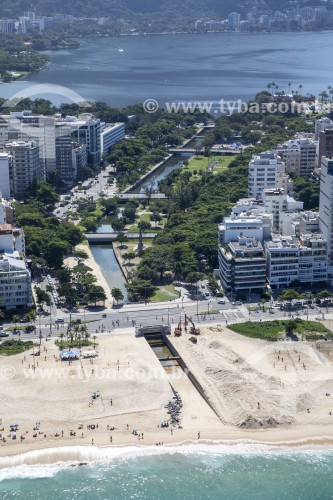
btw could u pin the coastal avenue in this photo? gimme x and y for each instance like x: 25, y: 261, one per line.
x: 162, y: 314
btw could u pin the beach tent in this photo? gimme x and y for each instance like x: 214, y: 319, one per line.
x: 69, y: 355
x: 90, y: 354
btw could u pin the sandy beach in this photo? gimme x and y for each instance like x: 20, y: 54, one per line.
x: 254, y: 396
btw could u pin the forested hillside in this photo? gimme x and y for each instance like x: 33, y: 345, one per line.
x: 130, y: 9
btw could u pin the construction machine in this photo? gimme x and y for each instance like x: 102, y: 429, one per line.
x: 193, y: 329
x: 178, y: 330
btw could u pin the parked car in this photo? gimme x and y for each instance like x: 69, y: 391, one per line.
x: 60, y: 320
x: 4, y: 334
x: 221, y: 301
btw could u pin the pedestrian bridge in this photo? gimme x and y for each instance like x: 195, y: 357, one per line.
x: 141, y: 196
x: 217, y: 151
x: 110, y: 237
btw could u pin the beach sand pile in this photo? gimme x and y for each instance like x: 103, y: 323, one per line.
x: 253, y: 384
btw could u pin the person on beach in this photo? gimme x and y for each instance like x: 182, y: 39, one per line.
x: 198, y: 435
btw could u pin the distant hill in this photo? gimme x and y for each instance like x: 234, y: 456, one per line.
x: 145, y: 9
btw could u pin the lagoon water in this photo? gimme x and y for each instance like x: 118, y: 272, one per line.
x: 187, y: 67
x: 202, y: 472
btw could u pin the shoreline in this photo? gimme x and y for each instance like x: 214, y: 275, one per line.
x: 89, y: 455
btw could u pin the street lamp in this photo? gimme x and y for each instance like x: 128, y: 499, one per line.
x: 40, y: 333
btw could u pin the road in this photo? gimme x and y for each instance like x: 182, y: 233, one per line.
x: 161, y: 314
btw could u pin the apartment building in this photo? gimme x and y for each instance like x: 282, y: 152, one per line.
x: 110, y: 135
x: 15, y: 283
x: 266, y: 170
x: 242, y: 265
x: 282, y: 261
x: 86, y: 130
x: 25, y: 166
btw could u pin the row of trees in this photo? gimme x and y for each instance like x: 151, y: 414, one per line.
x: 48, y: 240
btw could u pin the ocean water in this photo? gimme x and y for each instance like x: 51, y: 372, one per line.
x: 197, y: 472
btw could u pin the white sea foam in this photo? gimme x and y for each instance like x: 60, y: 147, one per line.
x: 48, y: 462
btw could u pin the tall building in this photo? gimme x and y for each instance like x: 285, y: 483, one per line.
x: 242, y: 265
x: 25, y: 166
x: 7, y: 26
x: 308, y: 155
x: 110, y: 135
x: 266, y: 170
x: 4, y: 175
x: 325, y: 146
x: 326, y: 204
x: 86, y: 130
x: 15, y: 283
x: 234, y: 19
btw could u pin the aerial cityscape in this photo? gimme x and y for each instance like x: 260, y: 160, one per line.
x: 166, y: 250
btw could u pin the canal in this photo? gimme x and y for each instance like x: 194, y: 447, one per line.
x: 169, y: 166
x: 106, y: 259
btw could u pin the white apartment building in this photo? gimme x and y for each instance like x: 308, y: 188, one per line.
x: 282, y: 261
x: 15, y: 283
x: 245, y: 226
x: 312, y: 262
x: 276, y: 202
x: 25, y: 166
x: 110, y: 135
x: 289, y: 153
x: 326, y: 209
x: 266, y: 170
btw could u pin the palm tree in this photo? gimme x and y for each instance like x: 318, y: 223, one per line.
x: 61, y: 336
x: 300, y: 88
x: 289, y: 87
x: 269, y: 86
x: 15, y: 319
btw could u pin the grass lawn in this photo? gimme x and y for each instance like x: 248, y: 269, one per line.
x: 273, y: 330
x: 200, y: 164
x: 164, y: 294
x: 11, y: 347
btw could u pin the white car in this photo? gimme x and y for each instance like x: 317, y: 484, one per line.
x: 60, y: 320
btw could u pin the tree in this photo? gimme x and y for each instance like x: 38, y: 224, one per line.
x: 15, y: 319
x: 117, y: 294
x: 55, y: 253
x: 95, y: 294
x: 46, y: 195
x: 289, y: 295
x: 139, y: 288
x: 129, y: 256
x: 291, y: 326
x: 155, y: 217
x: 122, y: 238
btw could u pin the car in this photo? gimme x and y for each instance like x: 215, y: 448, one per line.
x: 207, y: 294
x: 60, y: 320
x: 4, y: 334
x: 237, y: 303
x: 104, y: 316
x: 221, y: 301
